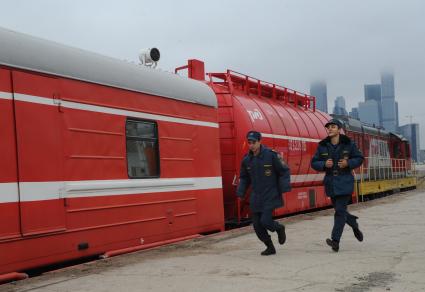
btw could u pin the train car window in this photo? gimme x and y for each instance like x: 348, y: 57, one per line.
x: 396, y: 150
x: 142, y: 149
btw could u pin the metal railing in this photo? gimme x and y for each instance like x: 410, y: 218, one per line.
x: 253, y: 86
x: 380, y: 168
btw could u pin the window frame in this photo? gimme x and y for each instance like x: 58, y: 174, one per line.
x: 127, y: 138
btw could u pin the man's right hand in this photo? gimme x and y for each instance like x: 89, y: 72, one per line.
x: 329, y: 163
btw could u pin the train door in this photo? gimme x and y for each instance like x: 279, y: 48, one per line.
x: 40, y: 157
x: 9, y: 196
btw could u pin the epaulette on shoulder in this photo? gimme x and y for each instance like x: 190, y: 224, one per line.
x: 279, y: 156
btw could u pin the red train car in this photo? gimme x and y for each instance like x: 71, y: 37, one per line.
x: 100, y: 155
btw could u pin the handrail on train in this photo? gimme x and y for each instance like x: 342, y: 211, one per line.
x: 382, y: 168
x: 250, y: 85
x: 378, y: 168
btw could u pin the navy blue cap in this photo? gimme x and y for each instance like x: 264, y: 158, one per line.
x: 334, y: 122
x: 253, y: 135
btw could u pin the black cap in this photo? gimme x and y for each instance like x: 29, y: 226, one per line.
x: 334, y: 122
x: 253, y: 135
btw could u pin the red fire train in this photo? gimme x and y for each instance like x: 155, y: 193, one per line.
x: 103, y: 156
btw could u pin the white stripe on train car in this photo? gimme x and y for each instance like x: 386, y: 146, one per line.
x: 290, y: 138
x: 9, y: 192
x: 307, y: 177
x: 5, y: 95
x: 107, y: 110
x: 36, y: 191
x: 102, y: 109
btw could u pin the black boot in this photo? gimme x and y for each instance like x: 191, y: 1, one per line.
x: 281, y: 234
x: 332, y: 243
x: 270, y: 248
x: 358, y: 234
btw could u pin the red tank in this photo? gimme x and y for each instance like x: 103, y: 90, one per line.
x: 289, y: 124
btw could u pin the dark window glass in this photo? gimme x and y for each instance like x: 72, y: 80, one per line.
x: 142, y: 149
x: 396, y: 150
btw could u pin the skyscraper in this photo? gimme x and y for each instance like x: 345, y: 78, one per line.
x: 373, y: 92
x: 388, y: 102
x: 319, y: 90
x: 368, y: 112
x: 422, y: 155
x: 396, y: 117
x: 411, y: 132
x: 354, y: 114
x: 339, y: 108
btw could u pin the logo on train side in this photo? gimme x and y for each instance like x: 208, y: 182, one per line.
x: 255, y: 114
x: 302, y: 195
x: 297, y: 145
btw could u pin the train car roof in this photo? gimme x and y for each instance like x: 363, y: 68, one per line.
x: 356, y: 125
x: 349, y: 123
x: 402, y: 138
x: 370, y: 130
x: 383, y: 132
x: 35, y: 54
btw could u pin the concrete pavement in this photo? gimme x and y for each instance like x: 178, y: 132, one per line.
x: 391, y: 258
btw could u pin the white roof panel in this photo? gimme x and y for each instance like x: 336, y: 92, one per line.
x: 27, y: 52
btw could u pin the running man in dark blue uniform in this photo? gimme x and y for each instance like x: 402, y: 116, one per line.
x: 264, y: 170
x: 337, y: 155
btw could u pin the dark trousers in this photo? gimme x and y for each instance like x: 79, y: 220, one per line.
x: 342, y: 216
x: 262, y: 222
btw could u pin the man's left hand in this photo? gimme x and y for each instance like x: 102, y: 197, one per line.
x: 342, y: 163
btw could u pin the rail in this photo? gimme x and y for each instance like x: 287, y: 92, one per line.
x: 380, y: 168
x: 379, y: 176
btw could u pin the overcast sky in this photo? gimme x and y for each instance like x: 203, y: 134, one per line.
x: 289, y: 42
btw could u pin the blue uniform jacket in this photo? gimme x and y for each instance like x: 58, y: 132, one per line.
x: 269, y: 177
x: 337, y: 181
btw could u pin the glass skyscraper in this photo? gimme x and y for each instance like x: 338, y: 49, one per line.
x: 339, y: 108
x: 319, y: 90
x: 373, y: 92
x: 389, y: 115
x: 355, y: 113
x: 368, y: 112
x: 411, y: 132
